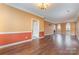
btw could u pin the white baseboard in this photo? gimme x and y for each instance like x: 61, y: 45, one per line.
x: 16, y: 43
x: 48, y: 34
x: 41, y: 37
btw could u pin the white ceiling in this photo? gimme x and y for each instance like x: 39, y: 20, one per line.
x: 55, y: 13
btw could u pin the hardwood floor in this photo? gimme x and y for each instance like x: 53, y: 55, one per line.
x: 42, y: 47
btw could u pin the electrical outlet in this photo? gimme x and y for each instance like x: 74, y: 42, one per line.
x: 26, y: 37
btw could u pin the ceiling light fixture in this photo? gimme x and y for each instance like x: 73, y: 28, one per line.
x: 43, y: 6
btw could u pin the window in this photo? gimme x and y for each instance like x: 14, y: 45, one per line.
x: 68, y: 26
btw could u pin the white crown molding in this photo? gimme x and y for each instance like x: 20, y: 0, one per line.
x: 51, y: 21
x: 28, y: 12
x: 24, y: 10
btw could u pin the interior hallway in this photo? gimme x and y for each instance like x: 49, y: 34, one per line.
x: 25, y: 33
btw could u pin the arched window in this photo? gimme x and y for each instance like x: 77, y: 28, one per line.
x: 68, y: 26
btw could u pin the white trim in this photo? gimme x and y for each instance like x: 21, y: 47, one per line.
x: 34, y: 19
x: 48, y: 34
x: 14, y: 32
x: 25, y: 10
x: 41, y: 37
x: 22, y: 9
x: 16, y: 43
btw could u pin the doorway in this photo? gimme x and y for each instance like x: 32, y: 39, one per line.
x: 68, y: 40
x: 58, y: 28
x: 35, y: 29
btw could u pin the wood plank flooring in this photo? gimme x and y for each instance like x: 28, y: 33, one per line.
x: 40, y: 47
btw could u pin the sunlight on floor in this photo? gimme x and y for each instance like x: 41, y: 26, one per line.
x: 65, y: 43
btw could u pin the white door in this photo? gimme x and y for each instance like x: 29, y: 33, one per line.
x: 35, y: 33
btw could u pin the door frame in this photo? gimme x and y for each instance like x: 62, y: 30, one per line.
x: 33, y: 20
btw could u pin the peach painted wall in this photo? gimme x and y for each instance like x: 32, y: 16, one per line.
x: 72, y: 24
x: 48, y: 28
x: 73, y: 28
x: 14, y: 20
x: 63, y: 27
x: 17, y: 23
